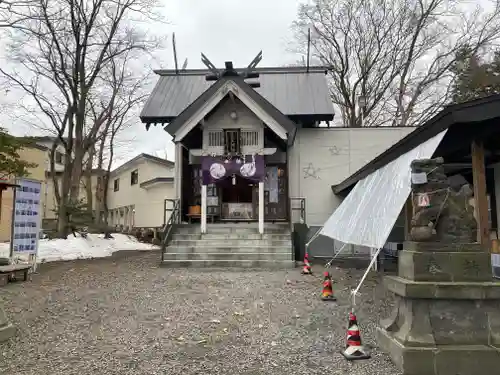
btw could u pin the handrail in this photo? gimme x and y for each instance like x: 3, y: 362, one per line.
x: 298, y: 235
x: 175, y: 218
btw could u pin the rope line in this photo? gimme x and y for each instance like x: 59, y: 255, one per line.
x: 432, y: 191
x: 335, y: 255
x: 313, y: 238
x: 356, y: 291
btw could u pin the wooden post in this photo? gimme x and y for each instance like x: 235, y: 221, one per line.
x: 178, y: 173
x: 1, y: 189
x: 480, y: 198
x: 261, y: 207
x: 203, y: 208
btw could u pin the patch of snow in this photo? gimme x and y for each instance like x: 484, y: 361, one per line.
x: 94, y: 246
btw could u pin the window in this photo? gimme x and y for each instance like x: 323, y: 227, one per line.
x: 249, y: 138
x: 116, y: 184
x: 232, y: 141
x: 215, y: 139
x: 134, y: 177
x: 58, y: 157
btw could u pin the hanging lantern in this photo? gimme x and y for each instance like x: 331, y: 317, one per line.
x: 234, y: 179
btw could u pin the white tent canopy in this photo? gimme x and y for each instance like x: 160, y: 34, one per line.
x: 367, y: 215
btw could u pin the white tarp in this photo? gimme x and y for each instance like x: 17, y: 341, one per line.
x: 368, y: 213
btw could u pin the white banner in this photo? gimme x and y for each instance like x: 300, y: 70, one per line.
x: 366, y: 216
x: 26, y: 217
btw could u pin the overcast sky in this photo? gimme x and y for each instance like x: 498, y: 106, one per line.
x: 223, y: 30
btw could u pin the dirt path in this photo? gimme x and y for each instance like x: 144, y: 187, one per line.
x: 128, y: 316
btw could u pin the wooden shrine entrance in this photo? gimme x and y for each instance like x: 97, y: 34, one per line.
x: 237, y: 199
x: 276, y: 193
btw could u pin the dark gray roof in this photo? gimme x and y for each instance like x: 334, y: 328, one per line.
x: 292, y: 91
x: 284, y: 121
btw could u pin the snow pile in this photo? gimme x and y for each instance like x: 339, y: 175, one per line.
x: 94, y: 246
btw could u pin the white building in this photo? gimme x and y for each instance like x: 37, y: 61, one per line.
x: 137, y: 192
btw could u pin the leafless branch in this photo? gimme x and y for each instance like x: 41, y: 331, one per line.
x: 62, y: 54
x: 393, y: 52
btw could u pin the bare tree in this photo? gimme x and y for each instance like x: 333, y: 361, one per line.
x: 10, y: 17
x: 61, y: 49
x: 395, y: 54
x: 125, y: 93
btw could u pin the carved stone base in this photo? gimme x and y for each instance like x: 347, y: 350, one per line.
x: 448, y: 318
x: 443, y: 327
x: 421, y: 261
x: 443, y: 334
x: 7, y: 330
x: 440, y: 360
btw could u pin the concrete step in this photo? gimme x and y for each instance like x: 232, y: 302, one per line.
x: 270, y: 264
x: 231, y: 242
x: 231, y: 236
x: 231, y: 230
x: 253, y: 256
x: 252, y: 225
x: 229, y: 249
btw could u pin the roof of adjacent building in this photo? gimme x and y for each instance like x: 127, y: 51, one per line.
x: 4, y: 184
x: 31, y: 142
x: 291, y: 90
x: 470, y: 113
x: 143, y: 156
x: 43, y: 138
x: 156, y: 180
x: 93, y: 172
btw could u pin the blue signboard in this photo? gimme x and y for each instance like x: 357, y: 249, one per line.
x: 26, y: 217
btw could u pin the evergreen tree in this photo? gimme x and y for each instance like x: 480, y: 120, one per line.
x: 475, y: 77
x: 11, y: 164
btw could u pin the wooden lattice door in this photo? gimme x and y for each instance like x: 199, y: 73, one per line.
x: 275, y: 193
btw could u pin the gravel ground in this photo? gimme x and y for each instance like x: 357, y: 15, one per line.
x: 128, y: 316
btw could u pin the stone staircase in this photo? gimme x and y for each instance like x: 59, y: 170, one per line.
x: 230, y: 245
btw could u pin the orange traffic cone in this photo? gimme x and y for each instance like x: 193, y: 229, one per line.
x: 327, y: 292
x: 354, y: 350
x: 306, y: 270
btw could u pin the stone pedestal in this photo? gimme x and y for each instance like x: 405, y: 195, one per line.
x: 446, y: 319
x: 7, y: 330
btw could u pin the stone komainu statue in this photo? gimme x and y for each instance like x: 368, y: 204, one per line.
x: 441, y: 210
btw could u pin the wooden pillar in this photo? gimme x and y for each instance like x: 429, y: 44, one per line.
x: 125, y: 217
x: 480, y: 197
x: 203, y: 208
x: 1, y: 190
x: 178, y: 173
x: 261, y: 207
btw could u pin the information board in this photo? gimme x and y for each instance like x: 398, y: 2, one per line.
x: 26, y: 217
